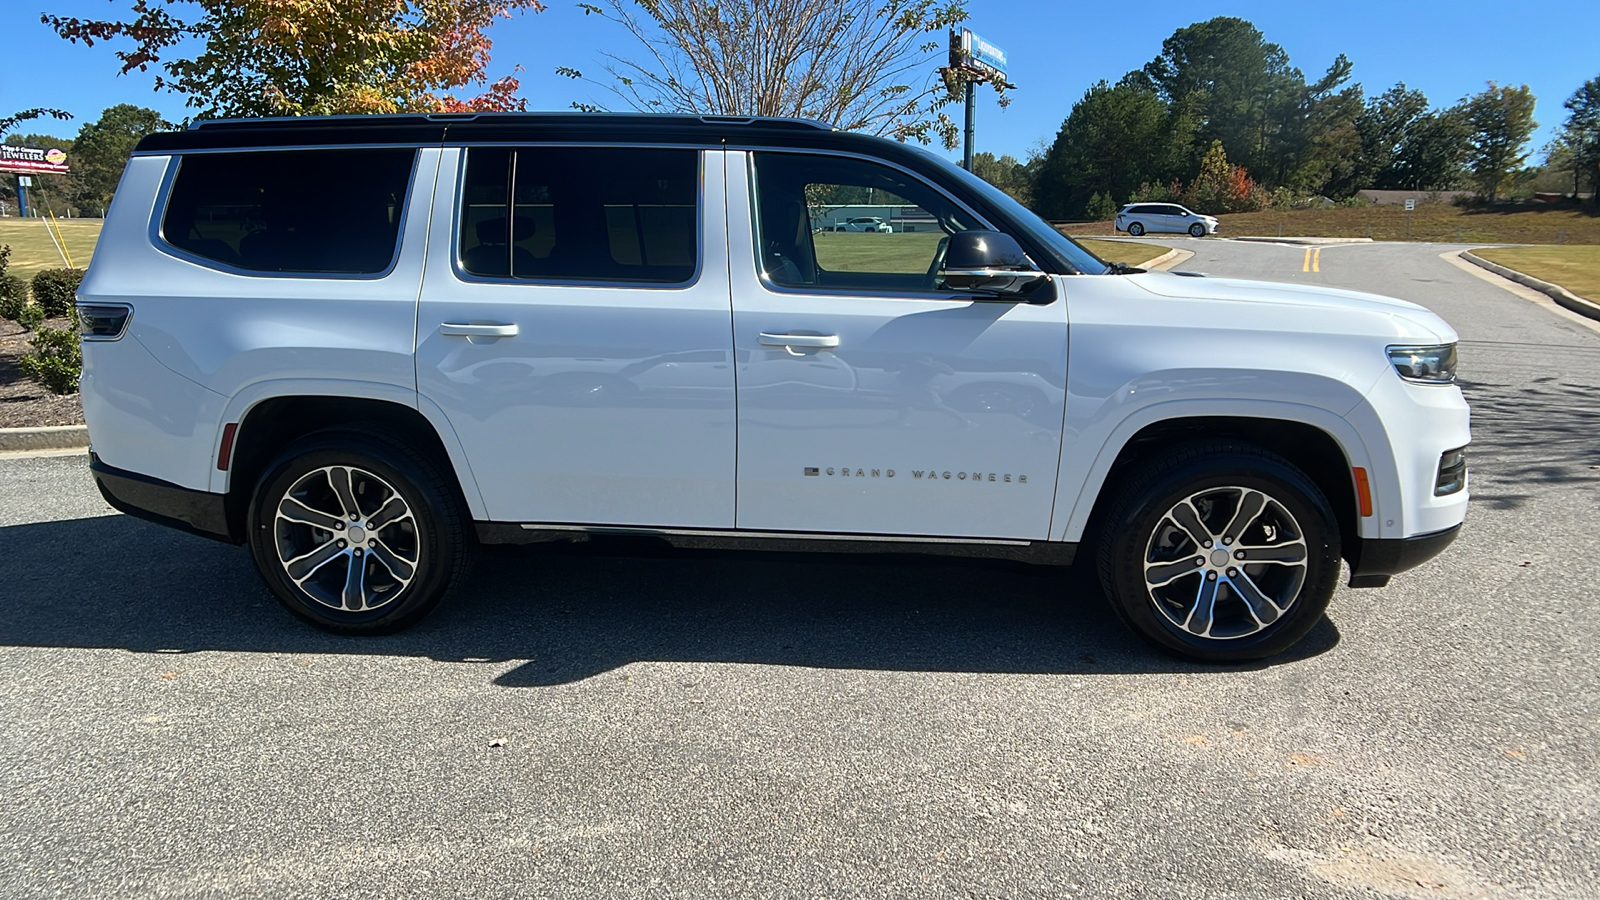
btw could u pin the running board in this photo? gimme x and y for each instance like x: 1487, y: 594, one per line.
x: 1040, y: 552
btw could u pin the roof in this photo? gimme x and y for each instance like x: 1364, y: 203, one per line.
x: 421, y: 129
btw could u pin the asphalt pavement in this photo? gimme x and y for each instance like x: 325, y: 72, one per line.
x: 657, y: 724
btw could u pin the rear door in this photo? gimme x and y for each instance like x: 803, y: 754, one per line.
x: 574, y: 329
x: 871, y: 399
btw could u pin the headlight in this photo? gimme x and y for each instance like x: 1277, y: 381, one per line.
x: 1427, y: 365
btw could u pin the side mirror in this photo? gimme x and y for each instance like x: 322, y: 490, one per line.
x: 988, y: 262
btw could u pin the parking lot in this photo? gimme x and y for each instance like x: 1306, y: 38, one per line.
x: 645, y: 723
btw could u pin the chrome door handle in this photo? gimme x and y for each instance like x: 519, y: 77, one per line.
x: 817, y: 341
x: 461, y: 329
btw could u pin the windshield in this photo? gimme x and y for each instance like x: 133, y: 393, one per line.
x: 1066, y: 249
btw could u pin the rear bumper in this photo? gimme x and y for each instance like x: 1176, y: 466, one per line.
x: 154, y: 500
x: 1375, y: 559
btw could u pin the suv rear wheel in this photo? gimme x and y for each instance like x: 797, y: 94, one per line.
x: 1220, y: 552
x: 357, y: 533
x: 1135, y: 229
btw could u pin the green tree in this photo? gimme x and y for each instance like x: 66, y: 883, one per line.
x: 1008, y: 174
x: 1232, y: 74
x: 102, y: 149
x: 1581, y: 135
x: 1501, y: 119
x: 305, y: 57
x: 1383, y: 127
x: 1115, y: 139
x: 1433, y: 156
x: 1101, y: 208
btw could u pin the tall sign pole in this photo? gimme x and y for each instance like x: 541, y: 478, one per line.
x: 972, y: 125
x: 975, y: 61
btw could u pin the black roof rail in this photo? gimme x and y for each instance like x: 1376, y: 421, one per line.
x: 403, y: 119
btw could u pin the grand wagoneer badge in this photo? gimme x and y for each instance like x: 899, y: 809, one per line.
x: 917, y: 475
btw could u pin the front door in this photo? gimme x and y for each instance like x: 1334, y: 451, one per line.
x: 574, y: 329
x: 871, y: 399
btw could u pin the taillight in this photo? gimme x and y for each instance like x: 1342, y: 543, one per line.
x: 103, y: 321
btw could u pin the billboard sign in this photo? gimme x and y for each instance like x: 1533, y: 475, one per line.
x: 32, y: 160
x: 975, y: 54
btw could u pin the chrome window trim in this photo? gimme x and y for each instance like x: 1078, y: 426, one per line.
x: 458, y: 209
x: 869, y: 293
x: 159, y: 240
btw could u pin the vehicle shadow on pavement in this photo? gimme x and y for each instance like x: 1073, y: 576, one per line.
x: 571, y: 613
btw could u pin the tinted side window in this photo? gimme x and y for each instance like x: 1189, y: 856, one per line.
x: 798, y: 194
x: 583, y: 213
x: 304, y: 211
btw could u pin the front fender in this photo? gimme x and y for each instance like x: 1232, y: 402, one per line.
x: 1088, y: 456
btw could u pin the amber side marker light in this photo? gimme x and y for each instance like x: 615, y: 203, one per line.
x: 1363, y: 492
x: 225, y: 453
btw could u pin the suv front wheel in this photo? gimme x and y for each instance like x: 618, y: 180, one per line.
x: 1220, y: 552
x: 357, y: 533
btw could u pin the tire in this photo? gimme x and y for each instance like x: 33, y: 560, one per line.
x: 1255, y: 610
x: 1135, y: 228
x: 351, y: 578
x: 1197, y: 230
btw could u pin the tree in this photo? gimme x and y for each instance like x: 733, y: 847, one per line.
x: 1581, y: 135
x: 1501, y: 119
x: 304, y: 57
x: 1007, y: 174
x: 861, y: 65
x: 102, y: 149
x: 1115, y: 139
x: 1229, y: 71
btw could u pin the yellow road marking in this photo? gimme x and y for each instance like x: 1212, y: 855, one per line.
x: 1306, y: 266
x: 1313, y: 260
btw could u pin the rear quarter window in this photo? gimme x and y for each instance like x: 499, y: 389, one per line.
x: 315, y: 212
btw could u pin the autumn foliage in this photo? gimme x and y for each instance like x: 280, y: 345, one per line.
x: 312, y: 57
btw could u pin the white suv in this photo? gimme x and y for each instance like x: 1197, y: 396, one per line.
x: 1155, y: 218
x: 362, y: 346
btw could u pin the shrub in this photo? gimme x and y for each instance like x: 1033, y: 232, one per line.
x: 1101, y: 207
x: 13, y: 296
x: 54, y: 359
x: 31, y: 316
x: 55, y: 290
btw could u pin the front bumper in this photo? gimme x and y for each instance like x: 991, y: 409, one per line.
x: 1373, y: 560
x: 154, y: 500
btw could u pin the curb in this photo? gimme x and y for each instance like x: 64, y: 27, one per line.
x: 55, y: 437
x: 1301, y: 240
x: 1556, y: 292
x: 1170, y: 258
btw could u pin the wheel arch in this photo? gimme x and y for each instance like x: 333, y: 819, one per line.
x: 1324, y: 446
x: 271, y: 422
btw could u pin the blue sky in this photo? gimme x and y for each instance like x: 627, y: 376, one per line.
x: 1057, y: 49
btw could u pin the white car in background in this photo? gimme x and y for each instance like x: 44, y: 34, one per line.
x: 865, y: 225
x: 1156, y: 218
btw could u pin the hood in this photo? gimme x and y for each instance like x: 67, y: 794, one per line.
x: 1310, y: 297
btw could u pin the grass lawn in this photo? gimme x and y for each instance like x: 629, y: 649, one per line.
x: 913, y: 253
x: 1575, y: 268
x: 1130, y: 252
x: 1431, y: 222
x: 32, y: 250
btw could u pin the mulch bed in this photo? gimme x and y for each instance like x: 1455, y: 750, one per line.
x: 23, y: 402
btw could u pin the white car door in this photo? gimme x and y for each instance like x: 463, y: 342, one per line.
x: 574, y: 329
x: 949, y: 422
